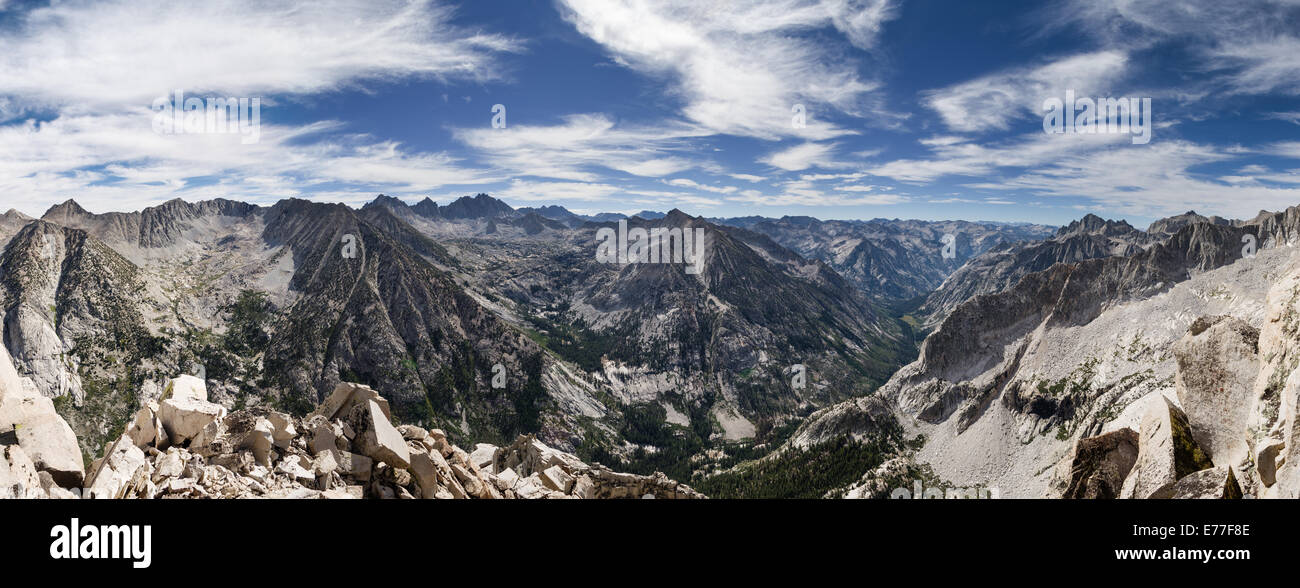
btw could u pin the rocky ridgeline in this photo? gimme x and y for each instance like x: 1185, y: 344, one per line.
x: 183, y: 446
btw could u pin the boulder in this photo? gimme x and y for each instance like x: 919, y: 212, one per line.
x: 1219, y: 482
x: 483, y: 455
x: 1277, y: 446
x: 357, y: 467
x: 1217, y: 366
x: 298, y: 469
x: 29, y: 419
x: 146, y: 429
x: 169, y: 465
x: 557, y: 479
x: 260, y: 440
x: 425, y: 472
x: 185, y: 388
x: 584, y: 488
x: 1167, y: 452
x: 326, y: 435
x: 282, y: 429
x: 376, y: 436
x: 413, y: 433
x: 527, y: 455
x: 123, y: 469
x: 471, y: 483
x: 347, y: 394
x: 245, y: 430
x: 344, y: 493
x: 185, y: 409
x: 1097, y: 466
x: 50, y: 443
x: 18, y: 475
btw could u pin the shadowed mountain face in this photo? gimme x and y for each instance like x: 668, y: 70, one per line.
x: 371, y: 307
x: 1002, y: 266
x: 719, y: 346
x: 481, y: 320
x: 273, y: 305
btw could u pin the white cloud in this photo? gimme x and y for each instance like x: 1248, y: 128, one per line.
x: 994, y: 101
x: 567, y: 151
x: 1291, y: 117
x: 971, y: 159
x: 122, y: 54
x: 692, y: 184
x: 741, y: 69
x: 1264, y: 65
x: 1152, y: 180
x: 795, y: 196
x: 556, y: 191
x: 117, y: 162
x: 92, y: 69
x: 801, y: 157
x: 1251, y: 46
x: 861, y: 20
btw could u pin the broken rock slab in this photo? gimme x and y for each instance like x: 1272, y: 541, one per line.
x: 18, y: 475
x: 185, y: 409
x: 1217, y: 366
x: 340, y: 402
x: 376, y: 437
x: 123, y: 469
x: 30, y: 420
x: 1167, y: 452
x: 1218, y: 482
x: 1097, y: 466
x: 146, y: 429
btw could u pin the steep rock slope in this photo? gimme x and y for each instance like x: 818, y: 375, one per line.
x: 1010, y: 381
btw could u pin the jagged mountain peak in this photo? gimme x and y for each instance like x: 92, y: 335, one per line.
x: 674, y: 215
x: 1171, y: 225
x: 66, y: 208
x: 386, y: 200
x: 1093, y: 224
x: 477, y: 206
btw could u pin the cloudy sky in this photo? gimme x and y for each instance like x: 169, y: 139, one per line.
x: 910, y: 108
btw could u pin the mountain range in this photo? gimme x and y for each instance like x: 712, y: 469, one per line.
x: 805, y: 358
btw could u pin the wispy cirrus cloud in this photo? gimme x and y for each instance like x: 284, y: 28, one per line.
x: 116, y: 162
x: 802, y: 156
x: 575, y: 148
x: 740, y: 68
x: 993, y: 101
x: 125, y: 53
x: 1157, y: 180
x: 79, y: 78
x: 1249, y: 46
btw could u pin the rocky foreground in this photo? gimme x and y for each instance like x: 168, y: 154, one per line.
x: 183, y: 446
x: 1231, y: 433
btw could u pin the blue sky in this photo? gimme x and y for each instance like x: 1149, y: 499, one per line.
x: 914, y: 108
